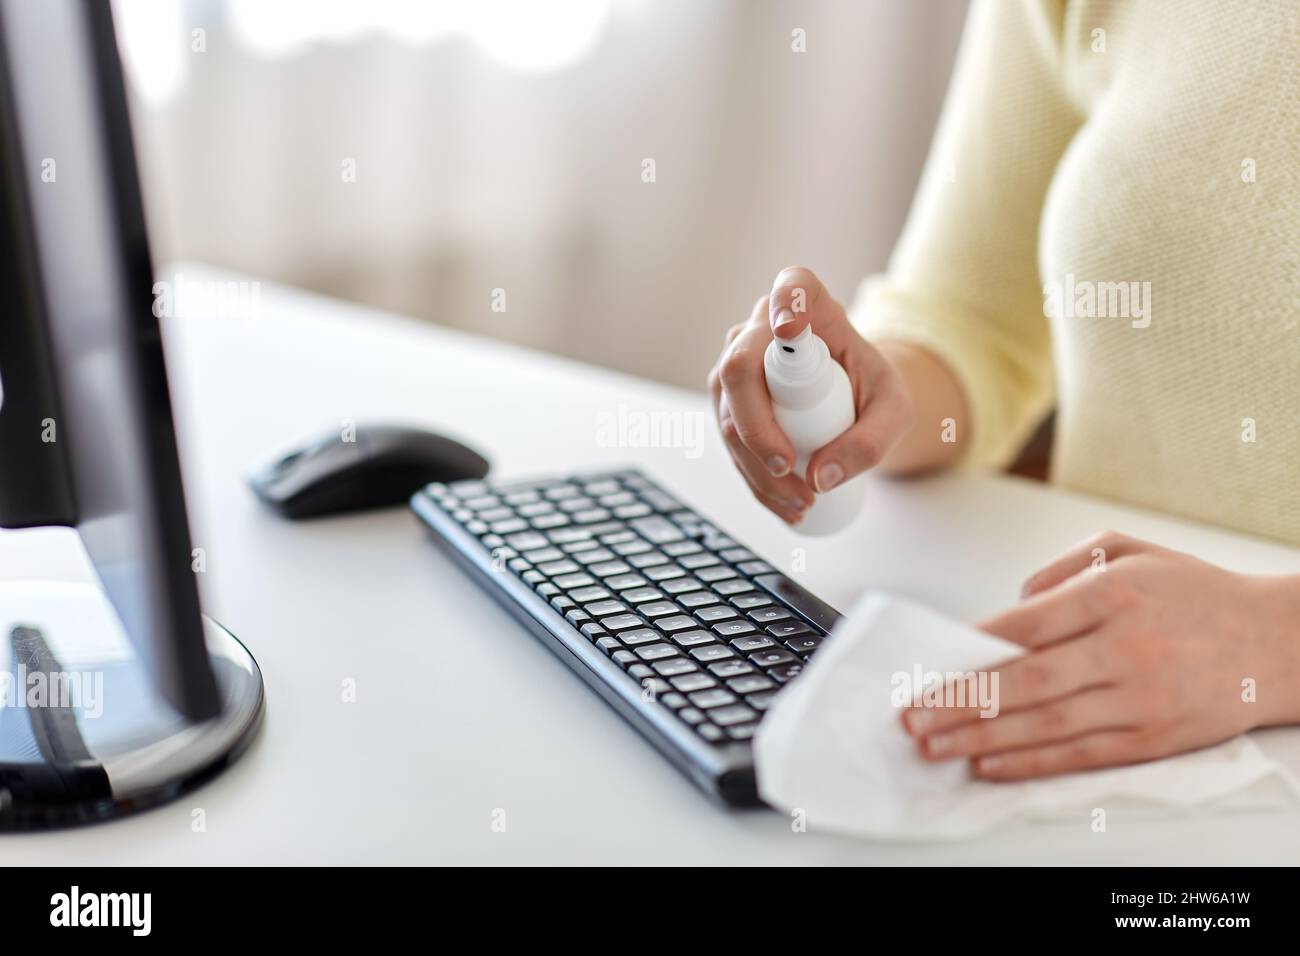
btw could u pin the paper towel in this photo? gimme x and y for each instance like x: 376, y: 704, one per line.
x: 833, y: 747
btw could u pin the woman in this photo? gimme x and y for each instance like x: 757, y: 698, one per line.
x: 1109, y: 222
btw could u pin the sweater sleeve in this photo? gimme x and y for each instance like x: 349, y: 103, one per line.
x: 963, y: 280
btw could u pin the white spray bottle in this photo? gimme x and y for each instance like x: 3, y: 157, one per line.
x: 813, y: 403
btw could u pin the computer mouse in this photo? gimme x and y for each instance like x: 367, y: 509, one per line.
x: 373, y: 466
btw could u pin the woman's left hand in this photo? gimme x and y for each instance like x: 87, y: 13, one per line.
x: 1134, y: 652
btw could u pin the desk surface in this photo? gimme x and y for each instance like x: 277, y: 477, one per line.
x: 458, y: 712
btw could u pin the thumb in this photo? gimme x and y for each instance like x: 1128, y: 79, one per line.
x: 798, y: 298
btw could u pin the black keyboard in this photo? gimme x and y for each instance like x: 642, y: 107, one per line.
x: 681, y: 628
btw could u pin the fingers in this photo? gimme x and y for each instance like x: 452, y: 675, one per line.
x: 1104, y: 748
x: 1079, y: 604
x: 1092, y: 553
x: 1041, y: 677
x: 740, y: 380
x: 788, y: 497
x: 882, y: 419
x: 798, y: 298
x: 1073, y: 716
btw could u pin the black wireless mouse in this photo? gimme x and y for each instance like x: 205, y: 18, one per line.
x: 375, y: 466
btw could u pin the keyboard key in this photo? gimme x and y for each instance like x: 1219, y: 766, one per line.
x: 725, y: 669
x: 533, y: 510
x: 786, y: 672
x: 577, y: 616
x: 625, y: 581
x: 658, y: 609
x: 713, y: 652
x: 639, y: 636
x: 593, y: 631
x: 658, y: 500
x: 693, y: 638
x: 622, y: 622
x: 562, y: 603
x: 603, y: 608
x: 604, y: 486
x: 655, y: 652
x: 609, y: 644
x: 591, y: 516
x: 734, y: 555
x: 624, y: 657
x: 657, y: 530
x: 697, y: 599
x: 570, y: 581
x: 804, y: 644
x: 710, y: 732
x: 693, y: 561
x: 482, y: 502
x: 690, y: 683
x: 552, y: 568
x: 681, y: 585
x: 496, y: 514
x: 648, y: 559
x: 616, y: 498
x: 771, y: 658
x: 629, y: 548
x: 567, y: 535
x: 641, y: 595
x: 620, y: 537
x: 679, y: 622
x: 584, y: 595
x: 755, y: 642
x: 720, y: 613
x: 708, y: 699
x: 542, y: 555
x: 733, y: 628
x: 766, y: 615
x: 663, y: 572
x: 783, y: 631
x: 747, y: 601
x: 761, y: 701
x: 560, y: 492
x: 593, y: 556
x: 749, y: 684
x: 732, y: 587
x: 727, y: 716
x: 754, y: 567
x: 673, y: 700
x: 609, y: 569
x: 678, y: 548
x: 675, y: 666
x: 640, y: 671
x: 691, y: 715
x: 742, y: 731
x: 576, y: 504
x: 636, y: 510
x: 527, y: 541
x: 521, y: 498
x: 721, y: 572
x: 546, y: 522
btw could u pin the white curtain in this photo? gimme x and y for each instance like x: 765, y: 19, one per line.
x: 475, y: 174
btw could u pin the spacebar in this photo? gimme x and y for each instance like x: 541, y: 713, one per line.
x: 810, y: 607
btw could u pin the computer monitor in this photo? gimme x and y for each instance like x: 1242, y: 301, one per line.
x: 87, y: 441
x: 87, y: 391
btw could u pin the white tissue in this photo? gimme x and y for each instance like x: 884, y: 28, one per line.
x: 832, y: 745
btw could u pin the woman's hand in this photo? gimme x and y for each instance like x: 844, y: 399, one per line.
x: 1135, y: 652
x: 760, y: 449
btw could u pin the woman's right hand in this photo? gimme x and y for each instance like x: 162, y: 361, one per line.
x: 760, y: 449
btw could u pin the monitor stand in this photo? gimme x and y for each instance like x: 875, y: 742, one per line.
x: 84, y: 736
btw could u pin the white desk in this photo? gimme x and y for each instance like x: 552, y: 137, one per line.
x: 459, y: 711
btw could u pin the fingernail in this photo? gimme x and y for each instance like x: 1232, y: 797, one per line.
x: 918, y: 720
x: 794, y: 504
x: 987, y: 765
x: 784, y: 317
x: 778, y: 466
x: 828, y: 476
x: 938, y: 744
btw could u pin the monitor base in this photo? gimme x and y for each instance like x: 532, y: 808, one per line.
x: 84, y: 737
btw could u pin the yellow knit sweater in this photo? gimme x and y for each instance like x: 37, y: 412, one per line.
x: 1109, y: 220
